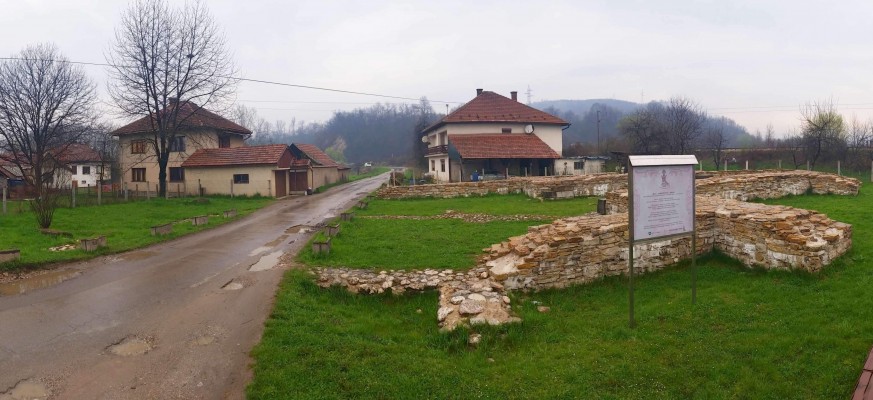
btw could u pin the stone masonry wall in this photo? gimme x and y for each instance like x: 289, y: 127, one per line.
x: 586, y: 248
x: 740, y: 185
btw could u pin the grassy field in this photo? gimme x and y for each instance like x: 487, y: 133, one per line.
x: 399, y: 244
x: 752, y: 335
x: 125, y: 225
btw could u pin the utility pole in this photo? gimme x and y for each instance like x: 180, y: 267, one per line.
x: 598, y: 132
x: 529, y: 94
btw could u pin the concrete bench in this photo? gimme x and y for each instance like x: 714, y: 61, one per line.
x: 165, y: 229
x: 9, y: 255
x: 321, y: 247
x: 92, y: 244
x: 200, y: 220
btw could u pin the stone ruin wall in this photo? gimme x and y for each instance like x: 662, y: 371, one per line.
x: 583, y: 249
x: 740, y: 185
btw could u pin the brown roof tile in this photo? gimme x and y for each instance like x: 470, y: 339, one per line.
x: 315, y: 154
x: 501, y: 146
x: 193, y: 117
x: 492, y: 107
x: 246, y: 155
x: 79, y: 153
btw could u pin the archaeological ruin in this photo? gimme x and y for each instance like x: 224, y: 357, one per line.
x: 583, y: 249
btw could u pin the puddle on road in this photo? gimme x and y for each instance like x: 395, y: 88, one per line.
x: 278, y: 240
x: 233, y: 286
x: 27, y: 389
x: 266, y: 262
x: 131, y: 346
x: 37, y: 282
x: 138, y: 255
x: 259, y: 250
x: 298, y: 229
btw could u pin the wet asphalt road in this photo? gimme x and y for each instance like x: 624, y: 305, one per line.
x: 169, y: 297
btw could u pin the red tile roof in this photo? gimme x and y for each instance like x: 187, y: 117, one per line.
x: 246, y: 155
x: 492, y: 107
x: 192, y: 116
x: 315, y: 154
x: 79, y: 153
x: 501, y: 146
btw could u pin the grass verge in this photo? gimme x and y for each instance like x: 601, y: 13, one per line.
x: 753, y: 334
x: 125, y: 225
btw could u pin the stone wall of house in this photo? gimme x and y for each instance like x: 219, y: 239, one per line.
x: 740, y: 185
x: 586, y: 248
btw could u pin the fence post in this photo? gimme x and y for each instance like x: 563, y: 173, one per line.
x: 807, y: 165
x: 780, y: 164
x: 725, y: 164
x: 231, y: 188
x: 839, y: 171
x: 269, y: 188
x: 148, y: 191
x: 73, y: 194
x: 124, y: 188
x: 747, y: 165
x: 199, y: 188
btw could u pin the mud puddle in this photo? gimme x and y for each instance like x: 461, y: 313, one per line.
x: 266, y: 262
x: 37, y: 282
x: 26, y: 389
x: 278, y: 241
x: 138, y: 255
x: 259, y: 250
x: 299, y: 229
x: 132, y: 346
x: 238, y: 283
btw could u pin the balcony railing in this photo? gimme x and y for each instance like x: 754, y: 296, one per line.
x: 443, y: 149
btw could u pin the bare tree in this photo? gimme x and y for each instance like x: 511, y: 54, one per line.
x: 644, y: 129
x: 684, y: 121
x: 45, y: 106
x: 100, y: 139
x: 857, y: 140
x: 716, y: 141
x: 823, y: 129
x: 162, y: 58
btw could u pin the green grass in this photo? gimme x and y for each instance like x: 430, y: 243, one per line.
x: 752, y: 335
x: 490, y: 204
x: 125, y: 225
x: 399, y: 244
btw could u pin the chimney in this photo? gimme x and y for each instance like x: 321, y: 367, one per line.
x: 478, y: 91
x: 514, y: 95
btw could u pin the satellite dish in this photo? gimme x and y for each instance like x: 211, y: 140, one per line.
x: 528, y: 129
x: 424, y: 139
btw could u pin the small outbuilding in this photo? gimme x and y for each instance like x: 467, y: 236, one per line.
x: 249, y: 170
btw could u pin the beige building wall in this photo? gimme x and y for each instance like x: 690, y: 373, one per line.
x: 217, y: 180
x: 194, y: 140
x: 435, y: 168
x: 323, y: 176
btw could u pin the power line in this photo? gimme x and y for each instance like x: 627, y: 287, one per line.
x: 263, y: 81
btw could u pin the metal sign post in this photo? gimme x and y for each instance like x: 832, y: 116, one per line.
x: 661, y: 206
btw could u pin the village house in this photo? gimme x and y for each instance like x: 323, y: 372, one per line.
x: 200, y: 129
x: 493, y: 135
x: 87, y: 167
x: 247, y: 170
x: 313, y: 168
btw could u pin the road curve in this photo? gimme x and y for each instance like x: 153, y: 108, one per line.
x: 192, y: 305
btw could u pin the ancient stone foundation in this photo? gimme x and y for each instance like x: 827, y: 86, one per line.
x: 582, y: 249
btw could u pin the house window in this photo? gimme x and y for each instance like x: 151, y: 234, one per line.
x: 506, y: 130
x: 433, y: 165
x: 137, y: 174
x: 177, y: 174
x: 443, y: 165
x: 177, y: 144
x: 223, y: 141
x: 240, y: 178
x: 577, y: 165
x: 138, y: 147
x: 86, y: 170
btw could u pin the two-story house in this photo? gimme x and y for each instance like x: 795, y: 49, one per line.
x: 493, y: 134
x: 200, y: 129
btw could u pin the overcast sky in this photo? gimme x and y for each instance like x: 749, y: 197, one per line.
x: 753, y: 61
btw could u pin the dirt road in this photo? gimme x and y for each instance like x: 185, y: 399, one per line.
x: 175, y: 320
